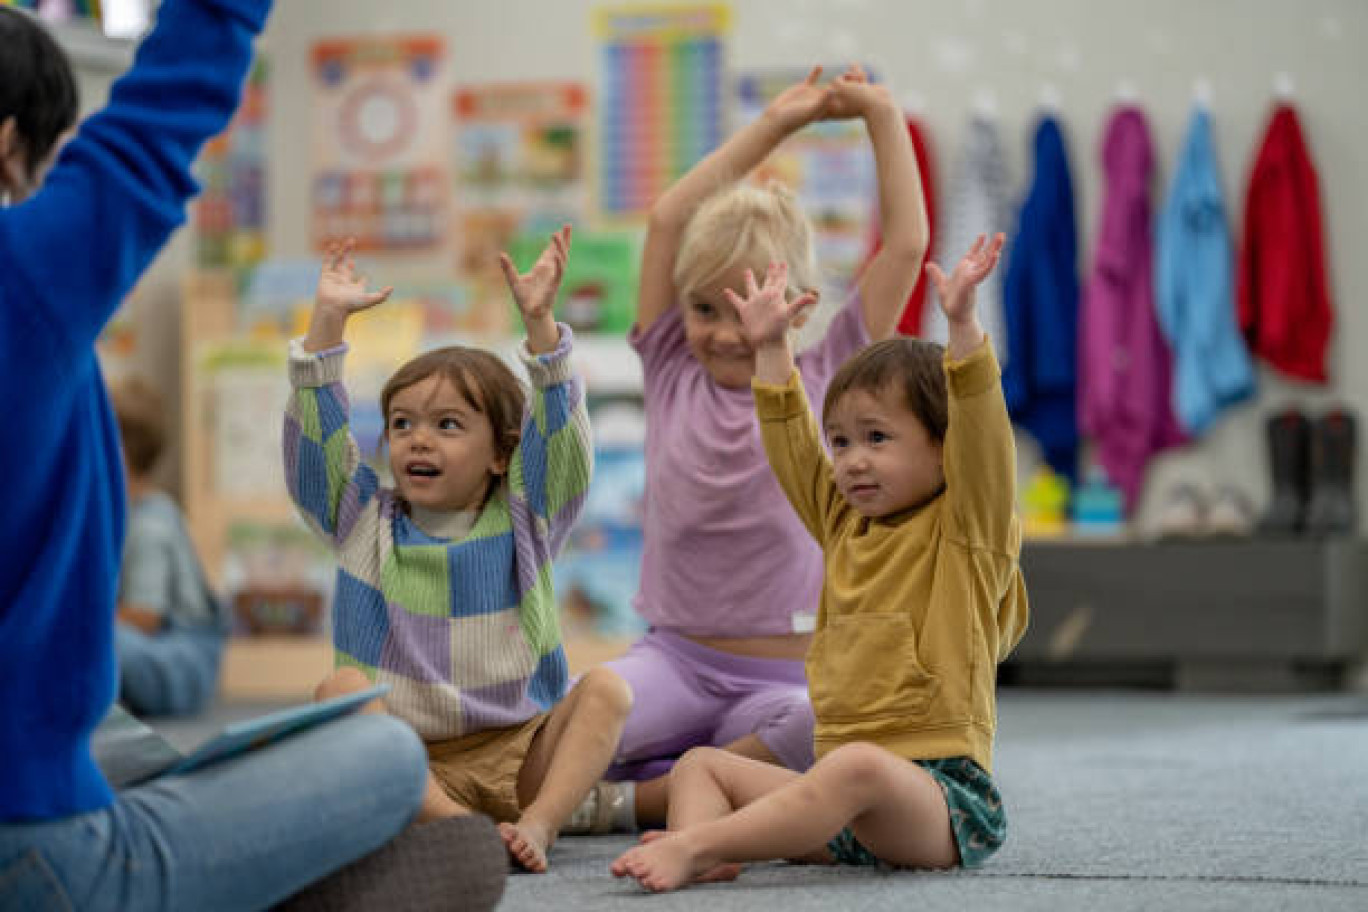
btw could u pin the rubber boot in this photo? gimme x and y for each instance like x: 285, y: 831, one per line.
x: 1289, y: 458
x: 1332, y: 512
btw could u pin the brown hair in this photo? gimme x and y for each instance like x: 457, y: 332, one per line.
x: 912, y: 366
x: 141, y: 414
x: 481, y: 378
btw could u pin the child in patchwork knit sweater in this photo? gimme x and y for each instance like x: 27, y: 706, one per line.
x: 444, y: 581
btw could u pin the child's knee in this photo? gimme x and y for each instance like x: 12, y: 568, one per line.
x: 342, y: 681
x: 607, y: 690
x: 695, y: 760
x: 860, y: 765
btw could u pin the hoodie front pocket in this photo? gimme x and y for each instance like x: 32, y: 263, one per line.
x: 865, y: 666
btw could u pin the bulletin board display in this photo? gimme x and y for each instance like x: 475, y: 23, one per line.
x: 380, y: 143
x: 520, y: 171
x: 230, y: 213
x: 830, y: 166
x: 662, y: 105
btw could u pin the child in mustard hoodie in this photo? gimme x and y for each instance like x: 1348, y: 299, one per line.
x: 923, y: 597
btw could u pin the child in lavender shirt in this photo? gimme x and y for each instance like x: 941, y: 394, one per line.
x: 730, y: 578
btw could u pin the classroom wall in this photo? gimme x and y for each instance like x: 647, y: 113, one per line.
x: 942, y: 59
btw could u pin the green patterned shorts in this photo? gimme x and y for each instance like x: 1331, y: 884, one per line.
x: 976, y: 814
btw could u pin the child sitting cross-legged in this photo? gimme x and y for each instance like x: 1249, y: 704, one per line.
x: 922, y: 598
x: 444, y: 585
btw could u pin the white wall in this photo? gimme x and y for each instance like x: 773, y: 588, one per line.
x: 941, y: 56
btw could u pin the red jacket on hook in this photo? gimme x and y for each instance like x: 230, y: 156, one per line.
x: 1284, y: 300
x: 910, y: 322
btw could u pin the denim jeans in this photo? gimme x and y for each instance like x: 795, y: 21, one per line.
x: 239, y: 835
x: 174, y: 673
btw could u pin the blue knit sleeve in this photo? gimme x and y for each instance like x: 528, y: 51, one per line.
x: 554, y: 460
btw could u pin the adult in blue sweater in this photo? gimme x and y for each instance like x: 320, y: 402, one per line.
x: 74, y: 236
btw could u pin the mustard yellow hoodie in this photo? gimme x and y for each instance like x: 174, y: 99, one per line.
x: 917, y: 608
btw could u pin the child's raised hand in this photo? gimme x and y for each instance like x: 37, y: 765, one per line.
x: 801, y: 104
x: 956, y: 291
x: 341, y: 289
x: 535, y: 290
x: 765, y: 312
x: 853, y: 95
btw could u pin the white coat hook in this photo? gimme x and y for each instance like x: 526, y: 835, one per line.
x: 1201, y: 93
x: 985, y: 104
x: 1284, y: 89
x: 1050, y: 99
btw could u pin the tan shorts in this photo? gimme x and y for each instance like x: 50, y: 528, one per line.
x: 480, y: 771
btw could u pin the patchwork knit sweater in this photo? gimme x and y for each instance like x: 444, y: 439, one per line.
x: 465, y: 631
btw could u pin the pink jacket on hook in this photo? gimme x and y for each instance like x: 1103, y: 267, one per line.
x: 1125, y: 370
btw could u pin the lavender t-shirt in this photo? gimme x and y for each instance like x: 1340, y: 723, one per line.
x: 725, y: 555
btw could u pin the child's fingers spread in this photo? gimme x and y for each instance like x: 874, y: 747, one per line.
x: 751, y: 288
x: 506, y: 264
x: 801, y: 303
x: 734, y: 299
x: 937, y: 277
x: 813, y: 75
x: 776, y: 276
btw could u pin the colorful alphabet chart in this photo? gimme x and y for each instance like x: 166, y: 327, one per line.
x: 662, y: 99
x: 380, y: 143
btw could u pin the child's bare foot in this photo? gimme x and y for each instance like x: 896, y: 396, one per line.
x: 666, y: 862
x: 722, y: 872
x: 527, y: 842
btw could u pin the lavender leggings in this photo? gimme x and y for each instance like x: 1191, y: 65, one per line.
x: 687, y: 695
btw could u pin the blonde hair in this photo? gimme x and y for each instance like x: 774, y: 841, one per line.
x: 750, y: 226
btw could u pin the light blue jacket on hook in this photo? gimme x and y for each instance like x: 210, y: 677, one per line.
x: 1195, y: 287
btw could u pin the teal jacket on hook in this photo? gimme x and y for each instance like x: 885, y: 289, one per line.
x: 68, y: 256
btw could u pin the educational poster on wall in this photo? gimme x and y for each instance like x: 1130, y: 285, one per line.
x: 380, y: 154
x: 830, y: 166
x: 246, y: 389
x: 662, y: 104
x: 520, y: 150
x: 598, y: 291
x: 230, y: 213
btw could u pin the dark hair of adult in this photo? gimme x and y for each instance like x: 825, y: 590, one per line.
x: 37, y: 85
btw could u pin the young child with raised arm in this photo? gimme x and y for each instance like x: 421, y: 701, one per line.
x: 729, y: 582
x: 923, y: 597
x: 444, y: 582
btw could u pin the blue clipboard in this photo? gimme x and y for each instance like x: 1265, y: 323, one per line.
x: 148, y: 756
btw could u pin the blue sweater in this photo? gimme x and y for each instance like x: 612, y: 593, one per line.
x: 67, y: 257
x: 1040, y: 297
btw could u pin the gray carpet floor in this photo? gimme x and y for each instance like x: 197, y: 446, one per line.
x: 1115, y: 801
